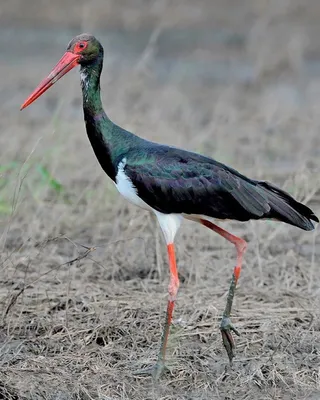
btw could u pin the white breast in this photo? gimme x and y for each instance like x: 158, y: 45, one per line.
x: 127, y: 189
x: 169, y: 223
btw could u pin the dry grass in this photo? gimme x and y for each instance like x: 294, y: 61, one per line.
x: 84, y: 275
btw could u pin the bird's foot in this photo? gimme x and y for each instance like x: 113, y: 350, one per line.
x: 226, y: 327
x: 155, y: 371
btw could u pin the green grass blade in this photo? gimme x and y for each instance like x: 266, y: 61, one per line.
x: 49, y: 179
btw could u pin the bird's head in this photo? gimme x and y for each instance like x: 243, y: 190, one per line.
x: 86, y: 48
x: 83, y: 49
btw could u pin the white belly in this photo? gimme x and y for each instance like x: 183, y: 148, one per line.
x: 127, y: 189
x: 169, y: 223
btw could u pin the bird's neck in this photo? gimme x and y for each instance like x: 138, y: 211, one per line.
x: 109, y: 141
x: 100, y: 128
x: 90, y: 83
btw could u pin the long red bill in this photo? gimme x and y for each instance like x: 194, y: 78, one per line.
x: 67, y: 62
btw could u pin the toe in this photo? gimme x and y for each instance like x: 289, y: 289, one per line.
x: 155, y: 371
x: 226, y: 329
x: 228, y: 343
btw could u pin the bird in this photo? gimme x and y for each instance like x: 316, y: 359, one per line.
x: 172, y: 183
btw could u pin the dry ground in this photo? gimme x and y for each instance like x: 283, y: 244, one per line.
x: 84, y: 275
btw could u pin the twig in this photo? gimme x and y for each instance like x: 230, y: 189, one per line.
x: 68, y: 263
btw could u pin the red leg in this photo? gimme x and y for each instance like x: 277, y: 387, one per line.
x: 157, y: 370
x: 226, y: 326
x: 173, y: 290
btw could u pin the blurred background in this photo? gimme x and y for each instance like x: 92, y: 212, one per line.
x: 237, y: 80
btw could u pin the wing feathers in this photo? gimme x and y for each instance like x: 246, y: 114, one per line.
x: 189, y: 183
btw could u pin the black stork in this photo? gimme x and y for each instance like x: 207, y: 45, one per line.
x: 172, y: 183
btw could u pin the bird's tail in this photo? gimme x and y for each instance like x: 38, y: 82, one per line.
x: 285, y: 208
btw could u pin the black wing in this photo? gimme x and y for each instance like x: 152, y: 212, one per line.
x: 171, y: 180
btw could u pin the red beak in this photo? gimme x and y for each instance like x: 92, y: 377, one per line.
x: 67, y: 62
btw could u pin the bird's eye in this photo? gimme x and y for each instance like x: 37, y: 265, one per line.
x: 80, y: 46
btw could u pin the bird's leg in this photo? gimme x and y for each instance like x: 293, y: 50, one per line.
x: 173, y: 290
x: 158, y: 369
x: 226, y: 326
